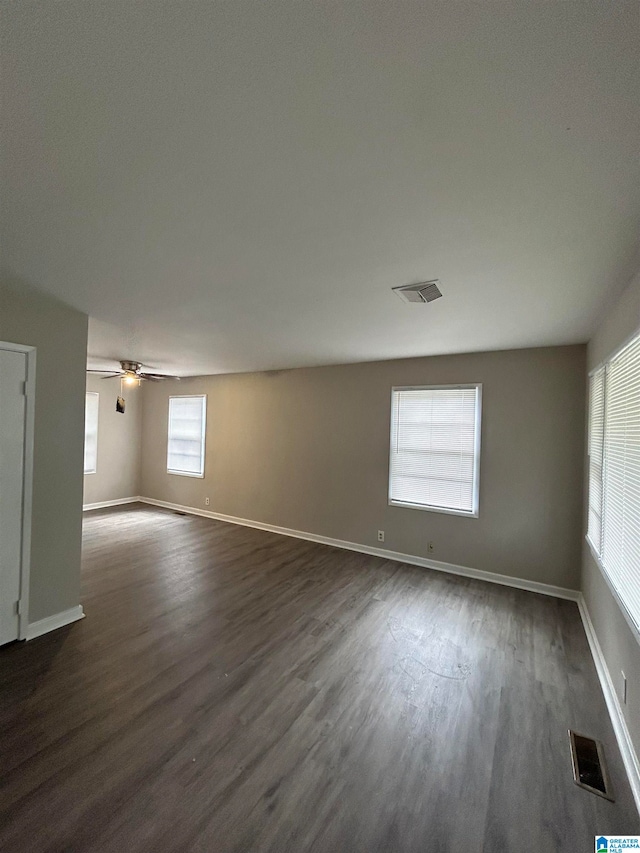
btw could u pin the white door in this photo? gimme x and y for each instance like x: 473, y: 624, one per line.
x: 13, y: 375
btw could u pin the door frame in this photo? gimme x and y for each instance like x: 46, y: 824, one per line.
x: 27, y: 483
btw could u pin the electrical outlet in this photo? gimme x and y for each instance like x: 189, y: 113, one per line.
x: 624, y: 687
x: 431, y: 547
x: 380, y: 535
x: 206, y: 501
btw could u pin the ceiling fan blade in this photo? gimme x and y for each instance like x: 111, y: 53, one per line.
x: 157, y: 377
x: 132, y: 373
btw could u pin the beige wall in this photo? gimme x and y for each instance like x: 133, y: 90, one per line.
x: 308, y: 449
x: 60, y: 335
x: 619, y: 643
x: 118, y: 469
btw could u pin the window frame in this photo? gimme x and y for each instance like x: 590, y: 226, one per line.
x: 203, y: 437
x: 97, y: 396
x: 602, y: 369
x: 475, y: 511
x: 597, y: 553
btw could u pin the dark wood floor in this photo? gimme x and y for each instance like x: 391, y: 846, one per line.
x: 234, y: 690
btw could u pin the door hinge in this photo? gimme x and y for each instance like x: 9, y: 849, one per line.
x: 19, y: 608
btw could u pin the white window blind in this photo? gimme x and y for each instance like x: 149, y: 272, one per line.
x: 596, y: 447
x: 620, y: 546
x: 91, y: 432
x: 186, y: 441
x: 435, y: 448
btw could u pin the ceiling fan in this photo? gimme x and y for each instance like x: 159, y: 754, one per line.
x: 131, y: 372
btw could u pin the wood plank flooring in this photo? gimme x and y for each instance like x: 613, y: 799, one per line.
x: 233, y: 690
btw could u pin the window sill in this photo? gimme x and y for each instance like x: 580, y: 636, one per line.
x: 426, y: 508
x: 186, y: 474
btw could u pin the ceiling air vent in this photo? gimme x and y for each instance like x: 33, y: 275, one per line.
x: 425, y: 291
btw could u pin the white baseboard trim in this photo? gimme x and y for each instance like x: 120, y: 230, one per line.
x: 424, y: 562
x: 116, y: 502
x: 58, y: 620
x: 629, y: 756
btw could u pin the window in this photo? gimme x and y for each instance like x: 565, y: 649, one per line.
x: 187, y: 425
x: 614, y: 475
x: 435, y: 448
x: 91, y: 432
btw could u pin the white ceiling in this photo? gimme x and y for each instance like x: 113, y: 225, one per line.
x: 228, y: 186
